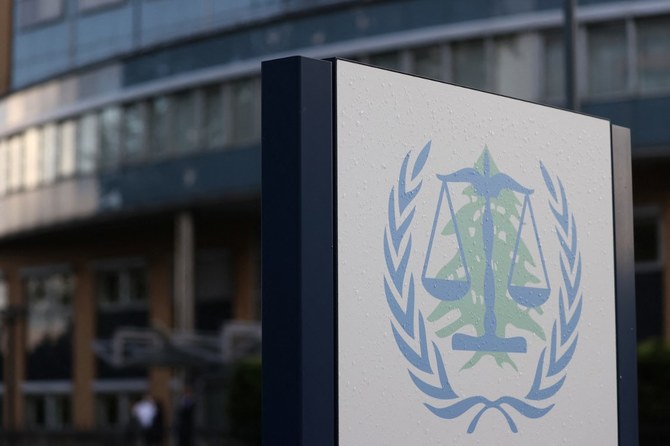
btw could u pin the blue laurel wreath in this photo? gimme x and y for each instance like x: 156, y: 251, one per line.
x: 549, y: 376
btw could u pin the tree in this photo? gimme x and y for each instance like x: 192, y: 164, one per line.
x: 505, y: 210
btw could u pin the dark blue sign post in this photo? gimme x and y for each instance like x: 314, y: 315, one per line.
x: 307, y: 397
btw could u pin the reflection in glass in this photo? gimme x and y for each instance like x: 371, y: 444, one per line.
x: 185, y: 129
x: 653, y: 53
x: 554, y: 72
x: 88, y: 143
x: 68, y: 147
x: 49, y: 153
x: 15, y: 153
x: 32, y: 160
x: 213, y: 288
x: 428, y: 62
x: 110, y: 141
x: 246, y: 125
x: 113, y: 410
x: 4, y: 177
x: 514, y: 65
x: 214, y: 131
x: 647, y: 240
x: 122, y: 286
x: 122, y: 297
x: 48, y: 411
x: 607, y: 59
x: 469, y: 64
x: 389, y: 60
x: 133, y: 131
x: 49, y: 334
x: 159, y: 127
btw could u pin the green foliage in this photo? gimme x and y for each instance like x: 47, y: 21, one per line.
x: 505, y: 210
x: 653, y: 385
x: 244, y: 401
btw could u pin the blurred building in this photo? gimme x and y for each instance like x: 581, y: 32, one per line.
x: 130, y: 158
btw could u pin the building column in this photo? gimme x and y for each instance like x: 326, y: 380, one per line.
x: 14, y: 365
x: 6, y: 41
x: 665, y: 259
x: 83, y: 398
x: 161, y: 316
x: 246, y: 276
x: 184, y: 285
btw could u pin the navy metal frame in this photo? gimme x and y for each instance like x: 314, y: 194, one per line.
x: 299, y: 344
x: 300, y: 251
x: 625, y: 286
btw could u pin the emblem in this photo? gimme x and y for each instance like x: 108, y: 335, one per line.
x: 484, y: 270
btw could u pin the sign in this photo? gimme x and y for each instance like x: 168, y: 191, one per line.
x: 481, y: 267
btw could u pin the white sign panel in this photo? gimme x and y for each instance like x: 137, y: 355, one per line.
x: 475, y: 267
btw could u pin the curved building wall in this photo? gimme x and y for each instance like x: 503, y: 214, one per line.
x: 132, y: 125
x: 95, y: 140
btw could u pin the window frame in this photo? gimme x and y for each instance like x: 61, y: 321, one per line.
x: 651, y: 212
x: 120, y: 266
x: 29, y: 25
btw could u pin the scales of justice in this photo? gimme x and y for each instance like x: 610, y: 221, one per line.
x: 488, y: 187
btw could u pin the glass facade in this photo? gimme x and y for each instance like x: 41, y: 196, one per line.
x: 49, y: 328
x: 554, y: 66
x: 515, y: 66
x: 158, y: 122
x: 122, y: 301
x: 87, y: 144
x: 34, y: 12
x: 110, y: 137
x: 469, y: 64
x: 653, y: 53
x: 528, y: 65
x: 213, y: 289
x: 68, y: 148
x: 608, y: 64
x: 49, y: 411
x: 428, y: 62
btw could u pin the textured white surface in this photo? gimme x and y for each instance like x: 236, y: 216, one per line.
x: 381, y: 116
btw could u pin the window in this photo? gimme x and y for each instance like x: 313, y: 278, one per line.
x: 4, y: 175
x: 90, y: 5
x: 515, y: 63
x: 647, y: 238
x: 50, y: 411
x: 122, y: 285
x: 49, y: 153
x: 648, y: 273
x: 110, y: 140
x: 4, y: 302
x: 428, y: 62
x: 213, y: 119
x: 390, y: 60
x: 185, y: 127
x: 246, y: 111
x: 34, y: 12
x: 554, y: 66
x: 469, y: 63
x: 31, y: 175
x: 159, y: 125
x: 213, y: 288
x: 68, y: 148
x: 133, y: 131
x: 653, y: 53
x: 15, y: 162
x: 49, y: 329
x: 113, y: 409
x: 607, y: 59
x: 88, y: 143
x: 122, y: 296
